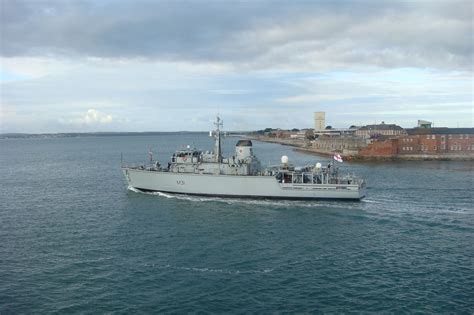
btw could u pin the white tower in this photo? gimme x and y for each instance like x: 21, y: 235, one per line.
x: 319, y: 121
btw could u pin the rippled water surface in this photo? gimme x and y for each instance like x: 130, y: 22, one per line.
x: 73, y: 238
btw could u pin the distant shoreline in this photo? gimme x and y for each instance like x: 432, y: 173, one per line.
x: 99, y: 134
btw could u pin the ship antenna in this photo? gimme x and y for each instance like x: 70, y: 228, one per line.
x: 217, y: 134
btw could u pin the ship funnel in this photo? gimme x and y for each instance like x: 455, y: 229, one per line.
x: 243, y: 149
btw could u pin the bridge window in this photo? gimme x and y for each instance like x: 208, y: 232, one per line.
x: 287, y: 178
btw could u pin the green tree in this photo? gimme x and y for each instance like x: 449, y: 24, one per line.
x: 309, y: 134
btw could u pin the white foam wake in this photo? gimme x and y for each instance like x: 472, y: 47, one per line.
x: 210, y: 270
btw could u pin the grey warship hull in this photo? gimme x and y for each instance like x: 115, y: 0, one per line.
x: 236, y: 186
x: 195, y: 172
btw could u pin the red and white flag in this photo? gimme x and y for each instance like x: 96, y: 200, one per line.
x: 338, y: 158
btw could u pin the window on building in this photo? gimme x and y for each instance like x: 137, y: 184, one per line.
x: 435, y: 148
x: 427, y: 136
x: 450, y: 136
x: 443, y: 138
x: 460, y: 136
x: 466, y: 136
x: 443, y: 146
x: 433, y: 137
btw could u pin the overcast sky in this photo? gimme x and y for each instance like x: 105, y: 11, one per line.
x: 172, y: 65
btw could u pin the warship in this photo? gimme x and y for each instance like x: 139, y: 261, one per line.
x: 195, y: 172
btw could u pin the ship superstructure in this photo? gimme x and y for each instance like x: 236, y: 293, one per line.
x: 192, y: 171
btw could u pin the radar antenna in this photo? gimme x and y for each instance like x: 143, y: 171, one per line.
x: 219, y: 123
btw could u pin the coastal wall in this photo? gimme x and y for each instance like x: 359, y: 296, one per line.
x: 383, y: 149
x: 283, y: 141
x: 340, y: 144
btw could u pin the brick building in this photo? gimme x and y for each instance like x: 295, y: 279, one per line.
x: 437, y: 141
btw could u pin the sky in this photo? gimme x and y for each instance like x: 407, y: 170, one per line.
x: 102, y: 65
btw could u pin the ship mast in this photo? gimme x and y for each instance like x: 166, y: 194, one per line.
x: 217, y: 135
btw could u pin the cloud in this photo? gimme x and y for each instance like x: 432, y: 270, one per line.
x: 35, y: 67
x: 231, y: 91
x: 82, y: 65
x: 169, y: 97
x: 315, y: 35
x: 92, y: 117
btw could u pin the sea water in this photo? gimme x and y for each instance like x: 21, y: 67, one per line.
x: 74, y: 238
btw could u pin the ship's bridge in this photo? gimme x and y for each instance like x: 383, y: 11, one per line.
x: 186, y: 156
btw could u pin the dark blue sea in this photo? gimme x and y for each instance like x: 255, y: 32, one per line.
x: 74, y: 239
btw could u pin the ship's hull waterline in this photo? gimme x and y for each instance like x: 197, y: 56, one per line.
x: 235, y: 186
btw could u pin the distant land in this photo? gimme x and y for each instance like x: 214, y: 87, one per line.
x: 100, y: 134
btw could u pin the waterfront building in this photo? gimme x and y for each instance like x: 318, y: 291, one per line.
x: 382, y: 129
x: 437, y: 141
x: 300, y: 135
x: 335, y: 132
x: 424, y: 124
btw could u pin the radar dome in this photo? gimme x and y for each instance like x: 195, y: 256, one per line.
x: 284, y: 159
x: 318, y: 165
